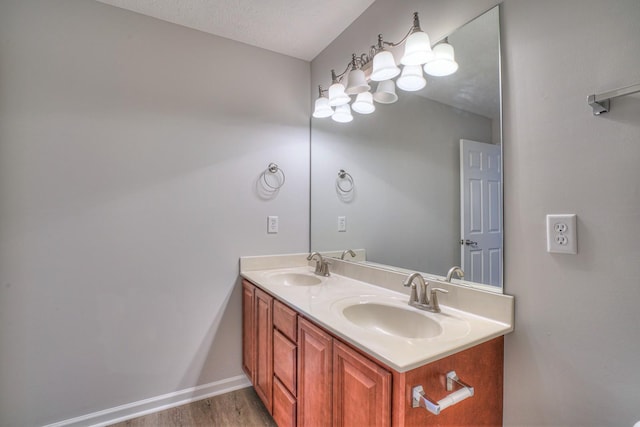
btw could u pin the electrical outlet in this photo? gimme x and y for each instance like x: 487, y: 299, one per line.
x: 562, y: 236
x: 272, y: 224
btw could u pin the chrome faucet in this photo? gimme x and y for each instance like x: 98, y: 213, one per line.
x: 454, y: 270
x: 348, y: 251
x: 322, y: 265
x: 420, y: 299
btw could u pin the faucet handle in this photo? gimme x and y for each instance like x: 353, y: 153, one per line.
x: 434, y: 298
x: 324, y: 268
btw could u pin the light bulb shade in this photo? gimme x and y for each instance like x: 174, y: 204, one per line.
x: 337, y: 95
x: 322, y: 108
x: 417, y: 49
x: 386, y: 92
x: 411, y: 78
x: 342, y: 114
x: 443, y: 62
x: 384, y: 67
x: 357, y: 83
x: 364, y: 103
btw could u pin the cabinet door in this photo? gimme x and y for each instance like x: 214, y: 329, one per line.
x: 314, y: 376
x: 248, y: 337
x: 361, y: 390
x: 263, y: 382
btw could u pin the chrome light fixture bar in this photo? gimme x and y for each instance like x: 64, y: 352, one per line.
x: 418, y: 56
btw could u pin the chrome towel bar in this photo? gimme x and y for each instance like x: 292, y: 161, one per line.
x: 601, y: 103
x: 420, y: 400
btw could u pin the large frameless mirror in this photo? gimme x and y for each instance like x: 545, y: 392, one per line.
x: 418, y: 183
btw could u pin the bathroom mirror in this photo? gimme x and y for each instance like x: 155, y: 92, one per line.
x: 401, y: 201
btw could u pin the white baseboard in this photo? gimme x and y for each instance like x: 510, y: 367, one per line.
x: 155, y: 404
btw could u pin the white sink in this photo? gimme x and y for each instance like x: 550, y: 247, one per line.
x: 392, y: 320
x: 295, y: 279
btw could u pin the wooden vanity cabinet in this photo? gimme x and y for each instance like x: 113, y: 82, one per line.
x: 257, y: 340
x: 263, y: 374
x: 361, y: 390
x: 314, y: 375
x: 308, y: 378
x: 248, y: 327
x: 285, y: 365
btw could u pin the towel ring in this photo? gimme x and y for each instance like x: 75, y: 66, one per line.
x: 340, y: 181
x: 273, y: 169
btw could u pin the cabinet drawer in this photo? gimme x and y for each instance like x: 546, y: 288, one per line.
x: 285, y: 361
x: 285, y: 319
x: 284, y: 405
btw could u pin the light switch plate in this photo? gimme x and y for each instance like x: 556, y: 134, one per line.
x: 562, y: 234
x: 272, y: 224
x: 342, y: 223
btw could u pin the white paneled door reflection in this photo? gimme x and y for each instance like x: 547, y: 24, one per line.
x: 481, y: 211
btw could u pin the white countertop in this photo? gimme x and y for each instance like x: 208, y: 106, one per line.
x: 323, y: 303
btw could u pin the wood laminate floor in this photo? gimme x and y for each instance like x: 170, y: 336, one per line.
x: 240, y: 408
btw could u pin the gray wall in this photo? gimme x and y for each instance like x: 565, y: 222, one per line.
x: 129, y: 153
x: 126, y: 179
x: 405, y: 162
x: 573, y: 358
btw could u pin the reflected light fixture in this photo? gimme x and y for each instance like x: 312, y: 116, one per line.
x: 443, y: 62
x: 386, y: 92
x: 418, y: 56
x: 411, y: 78
x: 342, y: 114
x: 322, y: 108
x: 364, y: 103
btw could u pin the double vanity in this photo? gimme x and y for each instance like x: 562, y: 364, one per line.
x: 349, y: 349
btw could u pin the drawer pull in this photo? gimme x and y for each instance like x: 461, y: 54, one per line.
x: 420, y: 400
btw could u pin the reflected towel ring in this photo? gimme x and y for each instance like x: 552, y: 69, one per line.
x: 273, y: 169
x: 344, y: 176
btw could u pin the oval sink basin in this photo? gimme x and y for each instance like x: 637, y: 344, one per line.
x: 392, y: 320
x: 295, y: 279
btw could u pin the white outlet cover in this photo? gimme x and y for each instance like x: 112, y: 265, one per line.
x: 562, y: 233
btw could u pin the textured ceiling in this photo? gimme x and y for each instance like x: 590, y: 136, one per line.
x: 298, y: 28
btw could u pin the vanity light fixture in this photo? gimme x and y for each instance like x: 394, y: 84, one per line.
x: 356, y: 80
x: 337, y: 95
x: 418, y: 56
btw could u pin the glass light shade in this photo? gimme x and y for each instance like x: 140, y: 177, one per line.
x: 322, y: 108
x: 337, y: 95
x: 386, y: 92
x: 342, y: 114
x: 443, y: 62
x: 417, y: 49
x: 357, y: 83
x: 364, y: 103
x: 411, y: 78
x: 384, y: 67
